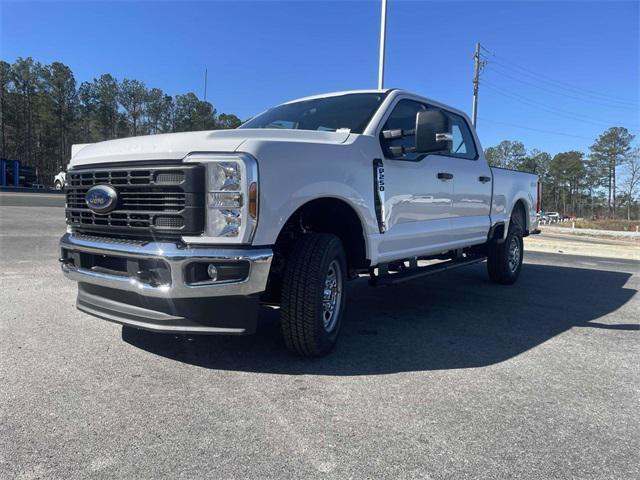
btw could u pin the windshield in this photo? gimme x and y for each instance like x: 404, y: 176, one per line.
x: 352, y: 111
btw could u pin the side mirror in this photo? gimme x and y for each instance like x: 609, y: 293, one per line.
x: 433, y: 132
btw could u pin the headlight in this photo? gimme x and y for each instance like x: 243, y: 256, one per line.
x: 232, y: 182
x: 224, y: 176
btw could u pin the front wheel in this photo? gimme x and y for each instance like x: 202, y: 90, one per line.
x: 58, y: 186
x: 313, y: 294
x: 504, y: 261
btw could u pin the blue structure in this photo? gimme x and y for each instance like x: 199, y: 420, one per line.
x: 15, y: 170
x: 16, y: 173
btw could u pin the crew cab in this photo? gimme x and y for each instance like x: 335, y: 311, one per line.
x: 192, y: 232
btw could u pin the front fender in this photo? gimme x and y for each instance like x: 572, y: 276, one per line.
x: 279, y: 208
x: 294, y: 173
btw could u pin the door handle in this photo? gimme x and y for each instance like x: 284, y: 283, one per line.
x: 445, y: 175
x: 484, y: 179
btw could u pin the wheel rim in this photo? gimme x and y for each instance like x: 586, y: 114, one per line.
x: 514, y: 254
x: 332, y: 296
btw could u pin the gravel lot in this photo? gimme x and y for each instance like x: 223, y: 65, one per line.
x: 446, y: 377
x: 552, y: 242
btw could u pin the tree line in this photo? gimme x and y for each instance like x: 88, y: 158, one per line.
x: 43, y: 112
x: 578, y: 183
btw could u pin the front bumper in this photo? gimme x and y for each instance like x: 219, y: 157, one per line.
x: 114, y: 283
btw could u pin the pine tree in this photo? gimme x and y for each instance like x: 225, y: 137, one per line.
x: 133, y: 97
x: 60, y: 87
x: 609, y: 151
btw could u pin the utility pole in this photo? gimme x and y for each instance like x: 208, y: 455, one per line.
x: 383, y: 37
x: 205, y: 84
x: 204, y: 120
x: 476, y: 81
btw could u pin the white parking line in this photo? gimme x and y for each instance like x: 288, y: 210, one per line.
x: 613, y: 263
x: 39, y: 195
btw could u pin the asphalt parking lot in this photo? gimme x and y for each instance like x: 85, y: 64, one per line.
x: 446, y: 377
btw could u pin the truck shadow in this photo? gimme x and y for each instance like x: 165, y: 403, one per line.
x: 452, y: 320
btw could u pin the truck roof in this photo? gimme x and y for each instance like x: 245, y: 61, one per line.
x: 336, y: 94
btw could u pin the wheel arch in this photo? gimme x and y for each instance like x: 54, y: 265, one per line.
x: 330, y: 215
x: 320, y: 215
x: 520, y: 207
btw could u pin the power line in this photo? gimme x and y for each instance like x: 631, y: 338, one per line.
x: 543, y: 107
x: 563, y: 94
x: 559, y: 83
x: 551, y: 132
x: 563, y: 113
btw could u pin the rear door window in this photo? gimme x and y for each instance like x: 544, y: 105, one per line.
x: 463, y: 144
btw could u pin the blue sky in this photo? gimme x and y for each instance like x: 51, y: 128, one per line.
x: 559, y: 73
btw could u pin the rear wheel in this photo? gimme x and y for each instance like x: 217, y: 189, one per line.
x: 504, y: 261
x: 58, y: 185
x: 313, y: 294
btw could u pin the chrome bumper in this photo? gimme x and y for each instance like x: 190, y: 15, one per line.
x: 177, y: 258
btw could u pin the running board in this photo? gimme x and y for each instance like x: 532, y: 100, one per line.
x: 417, y: 272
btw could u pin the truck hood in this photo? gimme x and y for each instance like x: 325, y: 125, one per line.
x: 175, y: 146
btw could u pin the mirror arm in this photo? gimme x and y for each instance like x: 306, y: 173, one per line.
x: 444, y: 137
x: 397, y: 133
x: 398, y: 151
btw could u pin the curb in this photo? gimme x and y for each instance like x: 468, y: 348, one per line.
x: 591, y: 232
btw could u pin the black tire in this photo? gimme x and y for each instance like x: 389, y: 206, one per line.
x: 501, y: 260
x: 303, y: 317
x: 58, y: 186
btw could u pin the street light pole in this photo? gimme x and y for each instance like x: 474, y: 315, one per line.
x: 383, y: 35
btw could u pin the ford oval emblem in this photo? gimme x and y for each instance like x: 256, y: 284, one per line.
x: 101, y: 198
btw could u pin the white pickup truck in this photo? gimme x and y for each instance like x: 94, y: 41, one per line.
x: 59, y: 180
x: 192, y: 232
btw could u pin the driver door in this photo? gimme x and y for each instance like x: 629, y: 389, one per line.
x: 418, y: 192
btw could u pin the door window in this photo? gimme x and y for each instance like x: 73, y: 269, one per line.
x: 402, y: 117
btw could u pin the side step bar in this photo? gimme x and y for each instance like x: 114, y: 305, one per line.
x: 417, y: 272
